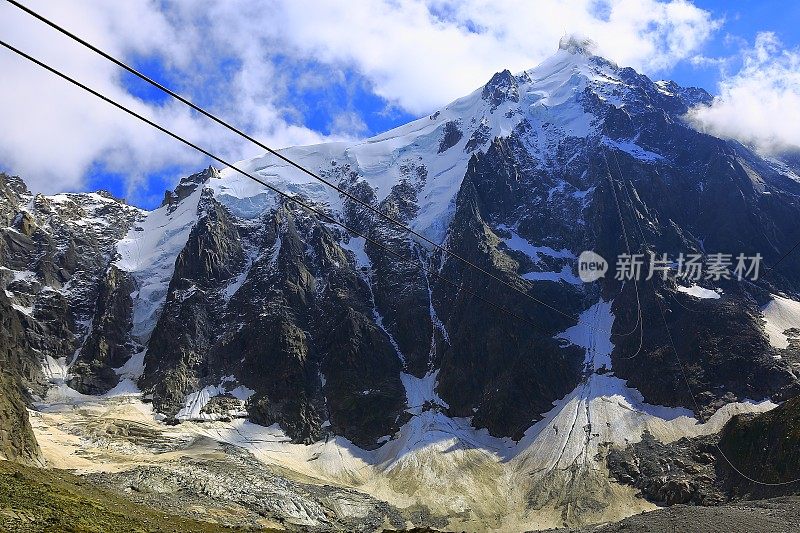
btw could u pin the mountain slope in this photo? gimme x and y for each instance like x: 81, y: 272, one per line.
x: 33, y: 500
x: 229, y: 303
x: 764, y: 446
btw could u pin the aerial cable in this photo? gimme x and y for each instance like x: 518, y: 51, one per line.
x: 784, y: 256
x: 686, y: 377
x: 639, y: 320
x: 285, y: 159
x: 331, y: 219
x: 284, y: 195
x: 307, y: 171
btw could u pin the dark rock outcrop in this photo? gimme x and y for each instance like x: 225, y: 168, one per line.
x: 501, y: 88
x: 684, y: 471
x: 108, y: 345
x: 763, y: 447
x: 187, y: 186
x: 754, y: 456
x: 18, y: 369
x: 450, y: 137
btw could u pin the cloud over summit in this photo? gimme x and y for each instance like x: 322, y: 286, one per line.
x: 241, y: 58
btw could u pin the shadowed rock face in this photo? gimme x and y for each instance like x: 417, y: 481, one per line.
x: 108, y: 345
x: 17, y: 442
x: 495, y: 367
x: 763, y: 447
x: 298, y: 329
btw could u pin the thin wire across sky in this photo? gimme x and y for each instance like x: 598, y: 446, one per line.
x: 355, y: 199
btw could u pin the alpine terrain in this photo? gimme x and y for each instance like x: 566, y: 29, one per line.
x: 234, y: 358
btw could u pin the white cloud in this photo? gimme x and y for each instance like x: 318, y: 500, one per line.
x: 424, y: 54
x: 417, y: 54
x: 53, y: 132
x: 759, y: 104
x: 348, y: 123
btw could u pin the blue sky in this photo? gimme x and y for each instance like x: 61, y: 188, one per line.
x: 300, y: 72
x: 315, y: 107
x: 744, y: 19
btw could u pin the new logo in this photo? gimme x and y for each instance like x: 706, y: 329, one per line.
x: 591, y: 266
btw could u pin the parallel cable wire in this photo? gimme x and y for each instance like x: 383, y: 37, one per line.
x: 629, y: 185
x: 639, y: 322
x: 305, y: 170
x: 784, y: 256
x: 645, y: 244
x: 285, y: 159
x: 284, y: 195
x: 337, y: 222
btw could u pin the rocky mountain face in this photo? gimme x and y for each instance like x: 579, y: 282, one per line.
x: 764, y: 448
x: 230, y: 302
x: 54, y: 253
x: 17, y: 441
x: 755, y: 456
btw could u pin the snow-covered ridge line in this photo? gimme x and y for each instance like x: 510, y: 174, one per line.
x: 149, y: 251
x: 548, y: 97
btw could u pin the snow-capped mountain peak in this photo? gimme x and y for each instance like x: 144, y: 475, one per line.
x: 229, y: 302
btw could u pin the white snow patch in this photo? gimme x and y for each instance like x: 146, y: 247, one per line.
x: 780, y: 314
x: 420, y: 391
x: 249, y: 207
x: 133, y: 367
x: 378, y: 317
x: 535, y: 253
x: 593, y: 333
x: 432, y: 438
x: 564, y: 275
x: 61, y: 393
x: 523, y: 245
x: 20, y: 275
x: 195, y: 402
x: 25, y: 310
x: 241, y: 392
x: 126, y: 387
x: 661, y: 86
x: 356, y: 245
x: 700, y: 292
x: 235, y: 284
x: 55, y: 370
